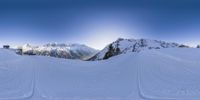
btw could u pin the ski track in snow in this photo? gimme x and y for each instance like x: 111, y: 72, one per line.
x: 124, y: 77
x: 168, y: 57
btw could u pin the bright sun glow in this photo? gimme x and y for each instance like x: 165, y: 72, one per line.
x: 100, y: 39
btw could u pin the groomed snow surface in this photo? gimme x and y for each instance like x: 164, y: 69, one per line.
x: 164, y: 74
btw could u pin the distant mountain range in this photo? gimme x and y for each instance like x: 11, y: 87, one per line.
x: 68, y: 51
x: 122, y: 46
x: 83, y: 52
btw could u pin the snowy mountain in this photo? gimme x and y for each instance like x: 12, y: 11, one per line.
x: 122, y: 46
x: 68, y: 51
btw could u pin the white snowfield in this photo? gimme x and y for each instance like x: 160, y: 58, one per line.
x: 164, y: 74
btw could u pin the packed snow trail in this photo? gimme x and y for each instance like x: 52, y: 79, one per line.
x: 86, y: 80
x: 60, y: 79
x: 16, y: 78
x: 168, y: 74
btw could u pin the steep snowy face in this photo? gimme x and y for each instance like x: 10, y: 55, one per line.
x: 122, y: 46
x: 68, y: 51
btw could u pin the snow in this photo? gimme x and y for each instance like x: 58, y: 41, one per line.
x: 135, y: 45
x: 163, y: 74
x: 69, y: 51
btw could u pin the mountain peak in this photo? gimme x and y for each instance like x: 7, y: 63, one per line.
x: 122, y: 46
x: 60, y: 50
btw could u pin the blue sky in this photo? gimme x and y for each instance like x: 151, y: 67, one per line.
x: 98, y: 22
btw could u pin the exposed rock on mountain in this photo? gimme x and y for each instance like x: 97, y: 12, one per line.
x: 68, y: 51
x: 122, y: 46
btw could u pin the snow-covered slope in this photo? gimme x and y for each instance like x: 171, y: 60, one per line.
x: 69, y: 51
x: 161, y: 74
x: 122, y: 46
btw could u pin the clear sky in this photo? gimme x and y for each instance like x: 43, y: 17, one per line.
x: 98, y: 22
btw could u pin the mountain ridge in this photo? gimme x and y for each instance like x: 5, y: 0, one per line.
x: 59, y: 50
x: 122, y: 46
